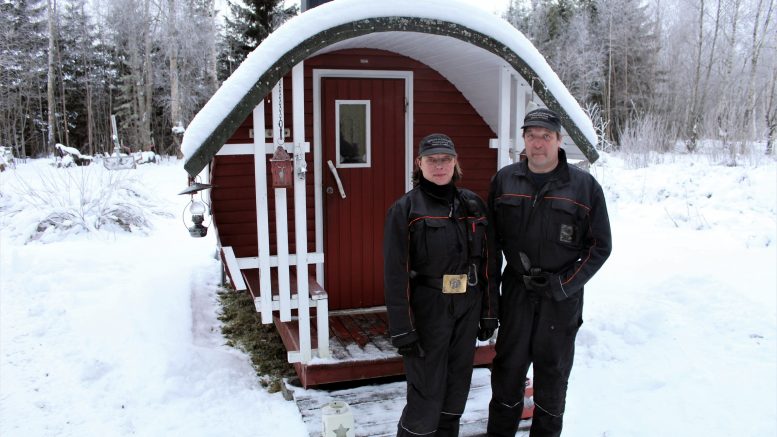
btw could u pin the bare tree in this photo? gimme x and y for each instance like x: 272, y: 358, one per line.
x: 771, y: 112
x: 759, y: 35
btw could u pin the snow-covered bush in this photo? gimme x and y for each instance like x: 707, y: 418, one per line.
x: 70, y: 156
x: 645, y: 140
x: 59, y: 202
x: 145, y: 157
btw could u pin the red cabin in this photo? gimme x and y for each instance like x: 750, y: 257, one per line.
x: 346, y: 90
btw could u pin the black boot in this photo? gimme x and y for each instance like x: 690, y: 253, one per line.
x: 503, y: 420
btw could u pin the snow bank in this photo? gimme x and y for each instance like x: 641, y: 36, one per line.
x: 115, y: 332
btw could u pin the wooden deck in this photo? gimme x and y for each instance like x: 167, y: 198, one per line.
x: 376, y: 408
x: 360, y: 348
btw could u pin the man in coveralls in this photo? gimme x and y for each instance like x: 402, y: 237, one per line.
x: 551, y: 224
x: 438, y: 287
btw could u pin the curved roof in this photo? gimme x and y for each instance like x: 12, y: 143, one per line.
x: 475, y: 44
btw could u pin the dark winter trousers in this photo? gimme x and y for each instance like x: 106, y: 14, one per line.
x: 532, y: 330
x: 438, y: 383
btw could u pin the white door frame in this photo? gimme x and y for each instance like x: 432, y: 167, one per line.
x: 318, y: 75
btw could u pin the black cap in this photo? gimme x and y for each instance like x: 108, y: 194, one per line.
x: 542, y: 117
x: 434, y: 144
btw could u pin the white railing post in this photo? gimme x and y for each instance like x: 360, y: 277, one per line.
x: 300, y: 210
x: 520, y: 113
x: 503, y: 122
x: 262, y: 218
x: 281, y: 210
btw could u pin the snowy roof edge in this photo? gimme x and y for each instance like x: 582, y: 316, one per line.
x: 320, y: 27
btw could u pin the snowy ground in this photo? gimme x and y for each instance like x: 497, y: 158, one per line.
x: 114, y: 333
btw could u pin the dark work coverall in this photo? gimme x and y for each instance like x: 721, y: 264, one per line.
x: 564, y: 229
x: 426, y: 237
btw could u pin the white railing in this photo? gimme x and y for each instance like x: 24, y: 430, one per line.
x: 307, y: 296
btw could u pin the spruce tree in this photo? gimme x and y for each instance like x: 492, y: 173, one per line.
x: 247, y: 26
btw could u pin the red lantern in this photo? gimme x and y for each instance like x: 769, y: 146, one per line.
x: 281, y: 168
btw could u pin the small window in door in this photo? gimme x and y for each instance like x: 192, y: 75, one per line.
x: 353, y: 133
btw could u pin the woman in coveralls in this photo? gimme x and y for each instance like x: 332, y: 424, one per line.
x: 439, y: 293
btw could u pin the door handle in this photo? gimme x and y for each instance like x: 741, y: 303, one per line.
x: 337, y: 178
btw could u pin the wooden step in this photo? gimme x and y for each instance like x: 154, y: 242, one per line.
x: 376, y: 408
x: 360, y: 349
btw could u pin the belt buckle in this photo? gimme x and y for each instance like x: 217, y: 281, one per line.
x: 454, y: 284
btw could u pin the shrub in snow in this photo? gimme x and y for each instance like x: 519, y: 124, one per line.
x: 6, y: 158
x: 71, y: 156
x: 56, y: 203
x: 145, y: 157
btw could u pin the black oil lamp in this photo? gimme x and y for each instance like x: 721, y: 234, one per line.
x: 197, y: 210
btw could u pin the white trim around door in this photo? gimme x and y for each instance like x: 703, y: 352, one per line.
x: 318, y: 75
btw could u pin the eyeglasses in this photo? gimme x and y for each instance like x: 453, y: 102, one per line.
x: 531, y: 137
x: 439, y: 162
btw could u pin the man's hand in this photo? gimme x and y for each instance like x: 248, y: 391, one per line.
x: 411, y: 350
x: 539, y: 283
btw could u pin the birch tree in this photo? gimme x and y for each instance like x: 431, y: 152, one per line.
x: 762, y: 21
x: 771, y: 112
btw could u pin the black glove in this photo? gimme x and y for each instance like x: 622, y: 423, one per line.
x: 411, y: 350
x: 539, y: 283
x: 486, y: 328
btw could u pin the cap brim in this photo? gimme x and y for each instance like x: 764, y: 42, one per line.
x: 540, y: 123
x: 438, y: 151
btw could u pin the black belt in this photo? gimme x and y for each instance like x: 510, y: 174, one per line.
x: 429, y: 281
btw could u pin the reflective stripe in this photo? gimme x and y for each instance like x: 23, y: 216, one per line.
x: 540, y: 407
x: 415, y: 433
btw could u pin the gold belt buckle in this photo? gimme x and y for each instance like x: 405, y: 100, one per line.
x: 454, y: 284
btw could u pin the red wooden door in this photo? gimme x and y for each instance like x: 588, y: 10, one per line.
x: 363, y: 132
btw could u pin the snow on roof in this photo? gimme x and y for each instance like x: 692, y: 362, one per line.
x: 317, y: 20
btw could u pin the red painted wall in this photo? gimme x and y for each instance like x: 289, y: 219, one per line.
x: 439, y: 107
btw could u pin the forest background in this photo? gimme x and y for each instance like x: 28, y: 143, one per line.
x: 651, y: 74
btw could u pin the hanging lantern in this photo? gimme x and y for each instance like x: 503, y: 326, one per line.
x: 281, y: 168
x: 197, y: 210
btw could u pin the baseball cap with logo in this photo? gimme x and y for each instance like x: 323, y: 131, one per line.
x: 542, y: 117
x: 436, y: 144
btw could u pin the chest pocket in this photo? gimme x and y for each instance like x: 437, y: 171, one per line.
x: 565, y: 223
x: 510, y: 213
x: 432, y: 237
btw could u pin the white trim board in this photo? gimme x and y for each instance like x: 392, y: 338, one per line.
x: 318, y: 75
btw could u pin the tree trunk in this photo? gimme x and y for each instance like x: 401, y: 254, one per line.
x: 148, y: 110
x: 52, y: 4
x: 771, y: 112
x: 213, y: 55
x: 693, y: 117
x: 608, y: 86
x: 757, y: 44
x: 175, y: 102
x: 705, y: 85
x: 63, y: 98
